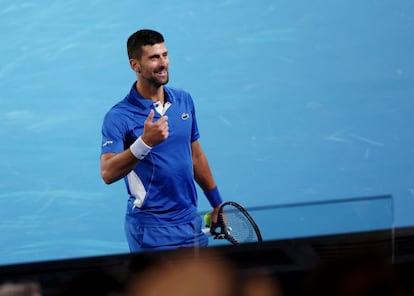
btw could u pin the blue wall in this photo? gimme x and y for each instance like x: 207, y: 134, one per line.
x: 298, y: 101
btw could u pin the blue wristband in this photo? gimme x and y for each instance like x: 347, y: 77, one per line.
x: 213, y: 197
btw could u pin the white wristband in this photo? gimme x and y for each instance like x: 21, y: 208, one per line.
x: 139, y: 149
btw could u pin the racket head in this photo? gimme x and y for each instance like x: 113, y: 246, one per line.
x: 236, y: 225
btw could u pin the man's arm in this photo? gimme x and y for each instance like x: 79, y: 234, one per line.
x: 202, y: 171
x: 115, y: 166
x: 204, y: 177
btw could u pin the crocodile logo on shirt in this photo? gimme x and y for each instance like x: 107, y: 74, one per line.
x: 185, y: 116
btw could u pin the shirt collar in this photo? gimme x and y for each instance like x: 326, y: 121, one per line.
x: 136, y: 99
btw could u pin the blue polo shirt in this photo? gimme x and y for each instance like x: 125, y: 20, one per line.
x: 161, y: 187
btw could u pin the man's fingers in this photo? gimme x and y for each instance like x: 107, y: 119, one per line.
x: 150, y: 116
x: 160, y: 125
x: 155, y: 132
x: 163, y: 119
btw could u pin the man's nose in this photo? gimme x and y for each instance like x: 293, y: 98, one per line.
x: 164, y: 61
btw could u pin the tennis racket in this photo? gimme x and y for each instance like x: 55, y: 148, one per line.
x: 235, y: 224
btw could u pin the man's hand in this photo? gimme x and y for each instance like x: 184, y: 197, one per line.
x: 214, y: 215
x: 155, y: 132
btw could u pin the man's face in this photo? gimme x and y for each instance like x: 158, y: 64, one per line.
x: 153, y: 65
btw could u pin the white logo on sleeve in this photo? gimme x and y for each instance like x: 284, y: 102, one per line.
x: 107, y: 143
x: 185, y: 116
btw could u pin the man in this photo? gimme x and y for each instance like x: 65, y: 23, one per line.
x: 150, y: 139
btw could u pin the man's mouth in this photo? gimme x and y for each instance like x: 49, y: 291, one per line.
x: 162, y: 73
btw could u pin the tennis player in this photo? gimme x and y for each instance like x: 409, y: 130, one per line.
x: 151, y: 140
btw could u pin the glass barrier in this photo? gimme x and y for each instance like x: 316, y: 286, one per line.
x: 322, y: 218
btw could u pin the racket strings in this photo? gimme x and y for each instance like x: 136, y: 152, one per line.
x: 239, y: 226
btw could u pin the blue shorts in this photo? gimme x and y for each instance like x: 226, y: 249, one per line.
x: 147, y: 238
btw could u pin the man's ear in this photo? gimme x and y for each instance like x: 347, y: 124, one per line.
x: 134, y: 65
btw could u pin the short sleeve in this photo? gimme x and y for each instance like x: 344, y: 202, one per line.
x: 113, y: 134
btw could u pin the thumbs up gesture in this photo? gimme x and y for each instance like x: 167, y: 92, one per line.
x: 155, y: 132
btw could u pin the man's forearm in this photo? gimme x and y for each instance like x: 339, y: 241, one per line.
x: 116, y: 166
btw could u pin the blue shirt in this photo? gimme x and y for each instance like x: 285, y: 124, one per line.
x: 162, y: 184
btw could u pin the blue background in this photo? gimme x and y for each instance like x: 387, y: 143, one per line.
x: 297, y: 101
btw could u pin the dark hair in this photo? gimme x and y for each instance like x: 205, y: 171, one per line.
x: 141, y: 38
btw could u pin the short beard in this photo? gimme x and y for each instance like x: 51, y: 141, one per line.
x: 157, y: 82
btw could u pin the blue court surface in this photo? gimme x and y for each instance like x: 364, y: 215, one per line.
x: 306, y: 112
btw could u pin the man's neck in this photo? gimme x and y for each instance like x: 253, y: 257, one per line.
x: 150, y: 92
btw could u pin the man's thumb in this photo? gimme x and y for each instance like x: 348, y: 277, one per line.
x: 150, y: 116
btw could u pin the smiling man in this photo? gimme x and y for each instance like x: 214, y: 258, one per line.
x: 151, y: 140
